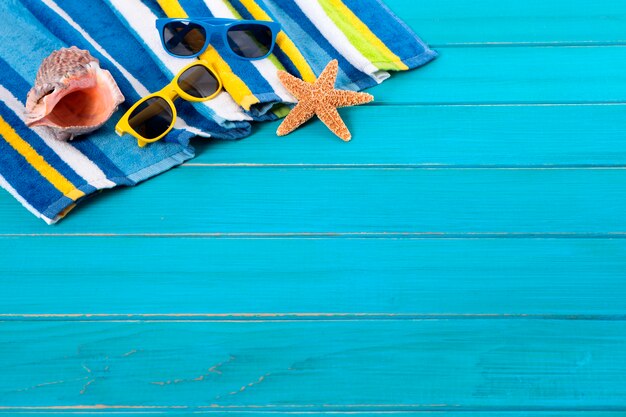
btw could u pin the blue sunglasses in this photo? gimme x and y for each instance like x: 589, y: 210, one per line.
x: 243, y: 39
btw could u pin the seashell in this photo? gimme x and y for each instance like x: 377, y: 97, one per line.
x: 72, y: 94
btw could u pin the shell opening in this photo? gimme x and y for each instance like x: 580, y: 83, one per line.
x: 87, y: 107
x: 79, y: 103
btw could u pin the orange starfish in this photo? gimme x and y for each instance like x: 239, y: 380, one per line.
x: 321, y: 99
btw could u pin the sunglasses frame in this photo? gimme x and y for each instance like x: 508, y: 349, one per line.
x: 219, y: 26
x: 169, y: 93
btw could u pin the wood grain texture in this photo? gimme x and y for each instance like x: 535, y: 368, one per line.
x: 482, y: 277
x: 426, y: 365
x: 445, y: 23
x: 201, y: 200
x: 189, y: 411
x: 510, y: 136
x: 293, y: 279
x: 477, y: 75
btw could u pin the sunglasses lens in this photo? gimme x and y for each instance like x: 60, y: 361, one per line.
x: 198, y: 81
x: 151, y: 118
x: 250, y: 40
x: 184, y: 38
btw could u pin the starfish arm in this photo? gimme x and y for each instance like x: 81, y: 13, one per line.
x: 331, y: 118
x: 344, y: 98
x: 328, y: 77
x: 296, y: 118
x: 295, y: 86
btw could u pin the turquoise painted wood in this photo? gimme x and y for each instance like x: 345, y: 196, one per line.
x: 442, y: 136
x: 192, y: 411
x: 465, y: 255
x: 517, y: 74
x: 445, y: 23
x: 384, y: 278
x: 303, y: 366
x: 436, y: 202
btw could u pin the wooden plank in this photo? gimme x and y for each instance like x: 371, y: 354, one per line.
x: 318, y: 366
x: 441, y: 135
x: 474, y: 75
x: 284, y: 279
x: 193, y: 411
x: 453, y: 22
x: 437, y: 202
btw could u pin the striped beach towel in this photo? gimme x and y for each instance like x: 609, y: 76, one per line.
x: 49, y: 177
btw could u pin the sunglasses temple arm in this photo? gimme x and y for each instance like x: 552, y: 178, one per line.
x: 121, y: 132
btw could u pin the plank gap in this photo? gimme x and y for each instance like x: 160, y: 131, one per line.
x: 310, y: 409
x: 332, y: 235
x: 542, y: 44
x: 298, y: 317
x: 406, y: 166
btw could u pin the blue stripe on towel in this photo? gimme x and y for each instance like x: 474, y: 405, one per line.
x: 34, y: 39
x: 34, y: 188
x: 13, y: 81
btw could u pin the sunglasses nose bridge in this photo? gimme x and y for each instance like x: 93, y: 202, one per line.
x: 212, y: 34
x: 171, y: 92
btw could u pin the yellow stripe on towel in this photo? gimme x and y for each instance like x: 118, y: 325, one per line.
x: 38, y: 162
x: 370, y: 45
x: 240, y: 92
x: 284, y: 42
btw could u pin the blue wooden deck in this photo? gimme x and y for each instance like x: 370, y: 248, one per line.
x: 464, y: 256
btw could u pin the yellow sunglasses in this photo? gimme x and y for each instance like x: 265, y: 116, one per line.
x: 152, y: 117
